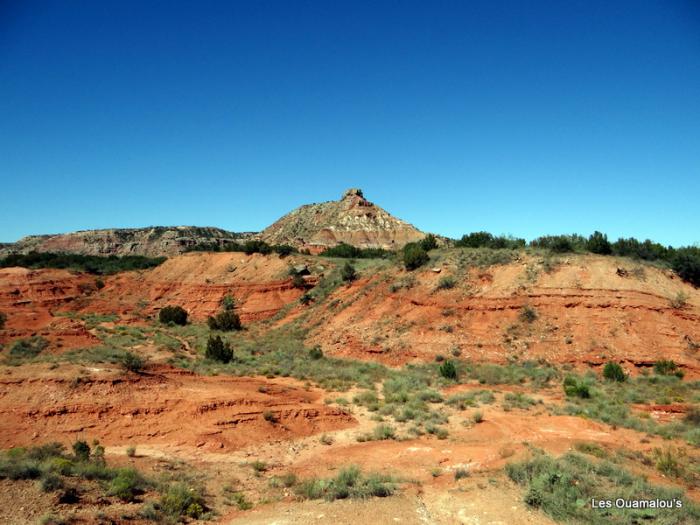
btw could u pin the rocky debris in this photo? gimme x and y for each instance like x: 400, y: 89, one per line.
x: 352, y: 220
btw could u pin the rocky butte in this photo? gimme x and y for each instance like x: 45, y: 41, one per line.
x: 351, y: 220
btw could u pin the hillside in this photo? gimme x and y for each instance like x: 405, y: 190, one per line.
x: 351, y: 220
x: 153, y: 241
x: 328, y: 373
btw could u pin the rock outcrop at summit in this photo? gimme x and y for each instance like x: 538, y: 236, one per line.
x: 352, y: 220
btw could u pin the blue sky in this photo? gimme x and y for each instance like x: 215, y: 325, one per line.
x: 524, y: 118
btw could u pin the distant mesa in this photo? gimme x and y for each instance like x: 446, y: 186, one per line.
x: 352, y: 220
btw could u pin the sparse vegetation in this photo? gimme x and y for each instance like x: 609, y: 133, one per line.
x: 563, y: 489
x: 679, y: 301
x: 528, y: 314
x: 132, y: 363
x: 349, y: 483
x: 445, y: 283
x: 85, y: 263
x: 666, y: 367
x: 28, y: 348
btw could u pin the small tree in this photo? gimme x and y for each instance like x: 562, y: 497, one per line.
x: 448, y: 370
x: 348, y: 273
x: 429, y: 242
x: 218, y: 350
x: 414, y: 256
x: 228, y: 302
x: 598, y: 243
x: 614, y: 372
x: 81, y: 450
x: 173, y: 314
x: 298, y: 281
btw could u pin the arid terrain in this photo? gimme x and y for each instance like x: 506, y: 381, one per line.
x: 473, y: 388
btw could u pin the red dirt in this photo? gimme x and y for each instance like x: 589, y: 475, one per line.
x: 163, y: 407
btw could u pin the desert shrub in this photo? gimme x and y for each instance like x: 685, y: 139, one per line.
x: 560, y: 243
x: 666, y: 367
x: 349, y: 483
x: 669, y: 461
x: 316, y: 353
x: 225, y: 321
x: 99, y: 284
x: 679, y: 301
x: 81, y: 450
x: 306, y: 299
x: 258, y: 466
x: 181, y: 499
x: 127, y: 484
x: 28, y: 348
x: 414, y: 256
x: 3, y: 320
x: 256, y: 246
x: 448, y: 370
x: 51, y: 482
x: 614, y: 372
x: 131, y: 451
x: 270, y: 416
x: 528, y: 314
x: 517, y: 400
x: 478, y: 416
x: 132, y: 362
x: 561, y: 487
x: 429, y: 242
x: 283, y: 249
x: 383, y: 432
x: 574, y: 387
x: 348, y: 273
x: 461, y: 473
x: 446, y: 282
x: 599, y: 243
x: 218, y: 349
x: 173, y: 314
x: 692, y: 416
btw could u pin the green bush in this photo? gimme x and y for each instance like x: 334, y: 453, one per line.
x: 348, y: 273
x: 127, y: 484
x: 181, y: 500
x: 414, y: 256
x: 574, y: 387
x: 3, y: 320
x: 218, y: 349
x: 225, y: 321
x: 487, y: 240
x: 316, y: 352
x: 448, y: 370
x: 228, y: 302
x: 81, y: 450
x: 429, y: 242
x: 131, y: 362
x: 447, y: 282
x: 613, y: 372
x: 28, y: 348
x: 666, y: 367
x: 349, y: 483
x: 347, y: 251
x: 99, y: 284
x: 173, y: 314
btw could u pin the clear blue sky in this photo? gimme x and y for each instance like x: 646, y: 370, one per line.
x: 517, y: 117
